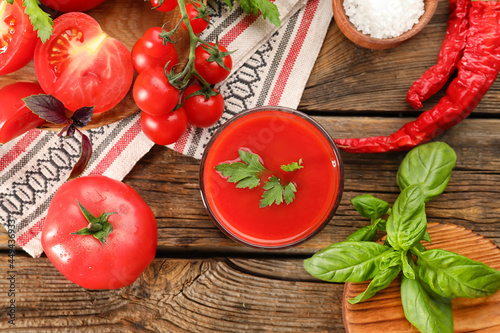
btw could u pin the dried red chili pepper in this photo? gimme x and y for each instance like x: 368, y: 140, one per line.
x: 477, y: 70
x: 451, y: 51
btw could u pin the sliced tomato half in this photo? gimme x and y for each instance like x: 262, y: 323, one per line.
x: 17, y: 38
x: 81, y: 65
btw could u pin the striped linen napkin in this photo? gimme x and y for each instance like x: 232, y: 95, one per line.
x: 270, y: 67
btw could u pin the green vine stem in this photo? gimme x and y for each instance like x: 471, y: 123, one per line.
x: 189, y: 70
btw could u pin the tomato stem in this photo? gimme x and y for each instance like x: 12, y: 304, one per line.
x: 99, y: 227
x: 189, y: 69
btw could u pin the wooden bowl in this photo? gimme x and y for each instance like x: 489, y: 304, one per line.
x: 350, y: 31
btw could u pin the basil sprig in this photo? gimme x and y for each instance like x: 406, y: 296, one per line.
x: 437, y: 276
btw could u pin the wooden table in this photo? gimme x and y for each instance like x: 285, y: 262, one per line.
x: 201, y: 281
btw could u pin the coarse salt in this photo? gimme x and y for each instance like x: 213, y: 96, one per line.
x: 384, y: 18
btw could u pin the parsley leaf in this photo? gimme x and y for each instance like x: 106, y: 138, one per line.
x: 243, y: 174
x: 292, y: 166
x: 246, y: 175
x: 289, y: 193
x: 273, y: 193
x: 40, y: 20
x: 267, y: 8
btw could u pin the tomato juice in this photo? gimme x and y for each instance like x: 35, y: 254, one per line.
x: 279, y: 136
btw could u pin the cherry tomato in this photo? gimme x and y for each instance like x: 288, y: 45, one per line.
x: 153, y: 93
x: 166, y: 6
x: 198, y: 24
x: 83, y: 66
x: 129, y: 248
x: 211, y: 71
x: 66, y: 6
x: 165, y: 129
x: 18, y: 40
x: 202, y: 112
x: 149, y: 51
x: 15, y: 117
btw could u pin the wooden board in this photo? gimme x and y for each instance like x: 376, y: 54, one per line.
x: 125, y: 20
x: 384, y: 311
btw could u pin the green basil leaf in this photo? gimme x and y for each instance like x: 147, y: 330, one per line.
x: 367, y: 233
x: 407, y: 223
x: 381, y: 281
x: 347, y: 261
x: 369, y: 206
x: 428, y: 312
x: 381, y: 224
x: 429, y: 164
x: 452, y: 275
x: 407, y: 267
x: 427, y: 237
x: 391, y: 259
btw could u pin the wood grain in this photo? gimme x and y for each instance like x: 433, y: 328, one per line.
x: 361, y: 39
x: 384, y: 311
x: 176, y: 295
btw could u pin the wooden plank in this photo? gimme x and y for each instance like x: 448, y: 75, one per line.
x: 176, y: 295
x: 168, y: 181
x: 350, y: 79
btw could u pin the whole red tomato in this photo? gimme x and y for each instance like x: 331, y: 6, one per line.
x: 153, y: 93
x: 126, y: 252
x: 202, y: 112
x: 165, y: 129
x: 83, y: 66
x: 166, y: 6
x: 198, y: 24
x: 18, y: 40
x: 15, y: 117
x: 212, y: 71
x: 66, y: 6
x: 149, y: 51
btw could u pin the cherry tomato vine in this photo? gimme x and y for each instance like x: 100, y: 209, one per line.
x: 182, y: 79
x: 162, y: 92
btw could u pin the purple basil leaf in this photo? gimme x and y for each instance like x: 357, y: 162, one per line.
x: 47, y: 107
x: 65, y: 129
x: 71, y: 131
x: 82, y: 116
x: 85, y: 154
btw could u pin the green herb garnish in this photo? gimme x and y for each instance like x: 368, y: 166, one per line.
x: 41, y: 21
x: 267, y: 8
x: 247, y: 174
x: 275, y: 192
x: 427, y: 285
x: 292, y: 166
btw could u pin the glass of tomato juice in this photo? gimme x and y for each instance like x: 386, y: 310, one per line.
x: 279, y: 136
